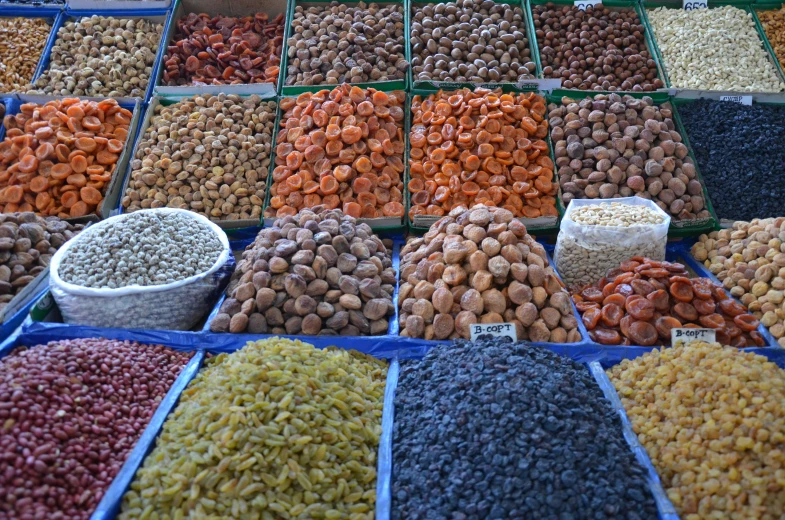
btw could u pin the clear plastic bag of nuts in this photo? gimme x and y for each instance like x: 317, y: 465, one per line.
x: 596, y: 235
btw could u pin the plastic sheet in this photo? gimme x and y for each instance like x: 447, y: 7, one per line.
x: 175, y: 306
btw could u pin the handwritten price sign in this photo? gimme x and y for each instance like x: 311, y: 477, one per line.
x: 690, y: 5
x: 742, y: 100
x: 685, y: 335
x: 583, y: 4
x: 497, y: 330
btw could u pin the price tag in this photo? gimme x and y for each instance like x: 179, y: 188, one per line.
x: 742, y: 100
x: 497, y: 330
x: 690, y: 5
x: 583, y: 4
x: 685, y: 335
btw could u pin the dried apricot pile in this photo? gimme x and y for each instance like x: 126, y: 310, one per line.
x: 480, y: 147
x: 58, y: 158
x: 642, y: 300
x: 340, y: 148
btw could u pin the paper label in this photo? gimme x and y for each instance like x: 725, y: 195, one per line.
x: 689, y: 5
x: 541, y: 85
x: 685, y: 335
x: 497, y: 330
x: 583, y: 4
x: 741, y: 100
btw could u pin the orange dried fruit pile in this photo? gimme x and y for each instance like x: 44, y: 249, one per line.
x: 480, y: 147
x: 58, y: 158
x: 340, y: 148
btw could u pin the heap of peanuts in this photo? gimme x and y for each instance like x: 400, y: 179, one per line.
x: 340, y: 149
x: 58, y: 158
x: 481, y: 147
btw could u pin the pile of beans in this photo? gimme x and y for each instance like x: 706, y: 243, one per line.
x: 749, y: 260
x: 639, y: 303
x: 340, y: 148
x: 713, y: 49
x: 599, y: 48
x: 713, y: 422
x: 144, y: 248
x: 336, y: 43
x: 22, y: 41
x: 208, y: 154
x: 618, y: 146
x: 773, y: 22
x: 47, y: 169
x: 481, y: 147
x: 224, y: 50
x: 276, y: 429
x: 71, y: 411
x: 318, y: 272
x: 498, y: 430
x: 102, y: 56
x: 737, y: 166
x: 598, y: 237
x: 481, y: 266
x: 27, y: 243
x: 470, y: 40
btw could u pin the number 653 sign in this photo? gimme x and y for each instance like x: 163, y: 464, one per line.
x: 690, y: 5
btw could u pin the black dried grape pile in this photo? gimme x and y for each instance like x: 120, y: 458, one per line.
x: 740, y: 155
x: 495, y: 430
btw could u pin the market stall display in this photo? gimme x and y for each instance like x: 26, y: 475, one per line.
x: 501, y: 430
x: 773, y: 22
x: 309, y: 420
x: 737, y: 167
x: 333, y: 43
x: 712, y: 421
x: 102, y: 56
x: 611, y: 52
x: 20, y: 56
x: 470, y: 41
x: 749, y: 260
x: 481, y: 266
x: 318, y: 272
x: 45, y: 167
x: 166, y: 259
x: 77, y: 408
x: 210, y: 154
x: 639, y: 302
x: 713, y: 49
x: 224, y: 50
x: 341, y: 148
x: 617, y: 145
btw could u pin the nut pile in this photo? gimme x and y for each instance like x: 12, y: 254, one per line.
x: 773, y: 22
x: 470, y: 40
x: 102, y: 56
x: 318, y: 272
x: 639, y: 302
x: 481, y: 266
x: 208, y: 154
x: 340, y: 148
x: 336, y: 43
x: 276, y: 429
x: 749, y: 260
x: 22, y: 41
x: 599, y: 48
x: 142, y: 249
x: 71, y: 413
x: 599, y: 237
x: 737, y: 166
x: 496, y: 430
x: 712, y: 420
x: 618, y: 146
x: 713, y: 49
x: 481, y: 147
x: 59, y: 158
x: 27, y: 243
x: 224, y: 50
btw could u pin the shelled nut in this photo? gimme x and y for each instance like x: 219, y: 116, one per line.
x: 208, y: 153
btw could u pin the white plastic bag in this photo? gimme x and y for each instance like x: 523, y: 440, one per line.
x: 584, y: 253
x: 175, y: 306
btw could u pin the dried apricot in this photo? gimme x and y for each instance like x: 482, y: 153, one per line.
x: 642, y: 333
x: 605, y: 336
x: 640, y: 308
